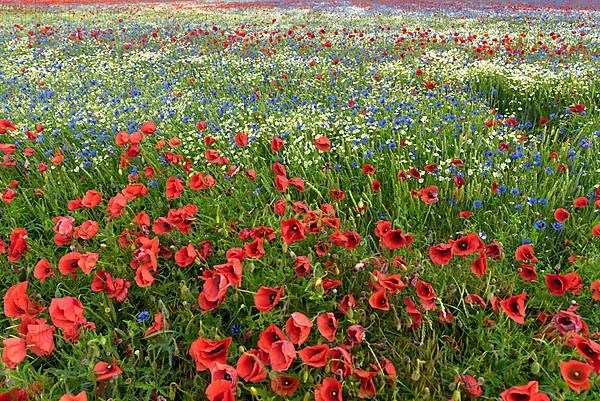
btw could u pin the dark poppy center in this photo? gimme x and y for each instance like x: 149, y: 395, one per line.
x: 286, y: 382
x: 74, y: 264
x: 214, y: 351
x: 382, y: 301
x: 514, y: 307
x: 109, y: 367
x: 272, y: 297
x: 463, y: 246
x: 227, y: 376
x: 576, y: 374
x: 334, y: 393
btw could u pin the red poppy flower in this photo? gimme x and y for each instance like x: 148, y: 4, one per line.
x: 281, y: 355
x: 206, y: 353
x: 185, y: 256
x: 525, y: 253
x: 327, y: 325
x: 595, y: 289
x: 391, y: 282
x: 394, y: 239
x: 426, y: 295
x: 148, y: 128
x: 87, y: 262
x: 429, y: 195
x: 40, y: 338
x: 368, y: 169
x: 298, y: 328
x: 232, y: 270
x: 91, y: 199
x: 87, y: 230
x: 42, y: 270
x: 276, y: 144
x: 106, y: 371
x: 467, y: 245
x: 213, y: 292
x: 79, y: 397
x: 470, y: 385
x: 525, y: 392
x: 527, y: 272
x: 475, y: 299
x: 576, y: 375
x: 17, y: 304
x: 590, y: 350
x: 266, y: 298
x: 494, y: 250
x: 268, y: 336
x: 279, y: 207
x: 557, y: 284
x: 156, y: 326
x: 284, y: 385
x: 514, y: 307
x: 580, y: 203
x: 292, y: 231
x: 174, y: 188
x: 378, y: 300
x: 116, y: 206
x: 281, y: 183
x: 415, y: 314
x: 329, y: 390
x: 346, y: 304
x: 250, y: 368
x: 18, y: 244
x: 480, y: 264
x: 66, y: 313
x: 322, y: 143
x: 440, y: 254
x: 356, y: 333
x: 241, y: 139
x: 255, y: 248
x: 220, y: 390
x: 14, y: 394
x: 574, y: 282
x: 315, y: 356
x: 596, y: 230
x: 14, y: 351
x: 561, y: 215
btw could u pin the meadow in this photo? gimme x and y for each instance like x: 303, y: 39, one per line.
x: 265, y: 201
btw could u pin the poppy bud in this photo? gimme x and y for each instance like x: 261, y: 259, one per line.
x: 415, y: 376
x: 456, y: 395
x: 535, y: 368
x: 253, y: 391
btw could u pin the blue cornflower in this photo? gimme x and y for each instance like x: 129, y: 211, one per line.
x: 557, y: 226
x: 477, y: 204
x: 542, y: 201
x: 540, y: 225
x: 142, y: 316
x: 519, y: 207
x: 236, y: 329
x: 525, y: 241
x: 153, y: 183
x: 515, y: 191
x: 501, y: 189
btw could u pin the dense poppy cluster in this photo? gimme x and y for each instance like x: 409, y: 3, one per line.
x: 353, y: 216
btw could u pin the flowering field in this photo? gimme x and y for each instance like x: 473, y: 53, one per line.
x: 330, y: 202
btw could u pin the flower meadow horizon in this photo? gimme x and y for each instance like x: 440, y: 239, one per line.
x: 275, y: 200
